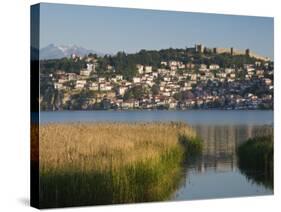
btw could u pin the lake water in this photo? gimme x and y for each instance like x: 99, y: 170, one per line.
x: 218, y: 117
x: 216, y: 173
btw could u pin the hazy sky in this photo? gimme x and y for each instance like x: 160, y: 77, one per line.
x: 109, y: 30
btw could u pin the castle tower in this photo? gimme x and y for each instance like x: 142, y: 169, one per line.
x: 247, y: 52
x: 215, y: 50
x: 199, y: 48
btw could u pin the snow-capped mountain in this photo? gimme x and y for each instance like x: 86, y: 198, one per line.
x: 54, y: 52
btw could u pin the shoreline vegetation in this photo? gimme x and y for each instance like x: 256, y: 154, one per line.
x: 111, y: 163
x: 256, y: 156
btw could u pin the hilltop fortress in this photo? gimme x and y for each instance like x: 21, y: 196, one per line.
x: 231, y: 50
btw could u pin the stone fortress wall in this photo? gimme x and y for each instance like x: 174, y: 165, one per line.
x: 231, y: 50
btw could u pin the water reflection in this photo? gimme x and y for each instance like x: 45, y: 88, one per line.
x: 220, y: 143
x: 216, y: 173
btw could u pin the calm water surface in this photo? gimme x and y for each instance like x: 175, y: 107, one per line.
x: 215, y: 174
x: 219, y: 117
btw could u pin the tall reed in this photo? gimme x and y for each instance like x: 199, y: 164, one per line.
x: 256, y: 155
x: 105, y: 163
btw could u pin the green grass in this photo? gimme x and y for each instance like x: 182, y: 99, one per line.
x: 256, y: 159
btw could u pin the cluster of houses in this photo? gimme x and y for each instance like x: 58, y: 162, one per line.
x: 173, y: 86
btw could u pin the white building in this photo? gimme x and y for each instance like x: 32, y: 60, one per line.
x: 109, y: 67
x: 148, y: 69
x: 172, y: 72
x: 119, y: 77
x: 80, y: 83
x: 85, y: 72
x: 105, y: 87
x: 166, y: 94
x: 214, y: 67
x: 90, y: 67
x: 259, y: 72
x: 94, y: 87
x: 122, y: 90
x: 203, y: 66
x: 155, y: 74
x: 136, y: 80
x: 72, y: 76
x: 250, y: 69
x: 193, y: 77
x: 167, y: 79
x: 101, y: 79
x: 62, y: 80
x: 173, y: 63
x: 229, y: 70
x: 268, y: 81
x: 58, y: 86
x: 173, y: 68
x: 164, y: 63
x: 140, y: 68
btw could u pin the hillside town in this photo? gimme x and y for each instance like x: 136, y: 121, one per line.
x: 172, y: 85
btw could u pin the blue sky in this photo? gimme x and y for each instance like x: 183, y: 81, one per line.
x: 109, y: 30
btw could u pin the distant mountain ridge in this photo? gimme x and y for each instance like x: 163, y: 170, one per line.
x: 53, y: 51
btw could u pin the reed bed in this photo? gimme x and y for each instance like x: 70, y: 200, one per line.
x: 256, y: 156
x: 105, y: 163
